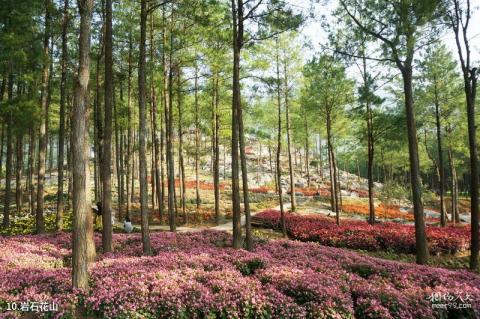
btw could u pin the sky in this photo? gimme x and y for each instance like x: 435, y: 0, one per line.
x: 313, y: 31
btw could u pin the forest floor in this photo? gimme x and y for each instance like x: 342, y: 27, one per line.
x: 196, y: 274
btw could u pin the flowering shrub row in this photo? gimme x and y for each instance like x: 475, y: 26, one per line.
x: 321, y: 191
x: 261, y: 190
x: 361, y: 235
x: 381, y: 211
x: 202, y: 185
x: 197, y: 275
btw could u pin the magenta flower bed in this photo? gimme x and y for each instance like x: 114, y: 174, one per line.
x: 197, y: 275
x: 361, y: 235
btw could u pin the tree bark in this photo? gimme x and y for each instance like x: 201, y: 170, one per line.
x: 197, y: 138
x: 334, y: 200
x: 237, y: 19
x: 19, y: 174
x: 279, y: 148
x: 106, y: 163
x: 31, y: 161
x: 42, y: 137
x: 181, y: 165
x: 142, y: 132
x: 440, y: 167
x: 293, y: 204
x: 454, y: 187
x: 61, y: 133
x: 416, y: 184
x: 243, y: 163
x: 216, y: 169
x: 128, y: 154
x: 80, y: 154
x: 8, y: 170
x: 460, y: 21
x: 156, y: 138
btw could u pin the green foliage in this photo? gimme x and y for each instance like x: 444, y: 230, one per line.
x: 393, y: 193
x: 24, y: 225
x: 250, y: 266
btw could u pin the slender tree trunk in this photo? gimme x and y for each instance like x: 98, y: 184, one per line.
x: 180, y: 145
x: 474, y: 183
x: 370, y: 156
x: 19, y: 174
x: 460, y: 19
x: 61, y: 134
x: 8, y: 173
x: 98, y: 115
x: 333, y: 172
x: 3, y: 88
x: 197, y: 137
x: 279, y: 148
x: 420, y: 236
x: 31, y: 161
x: 128, y: 155
x: 106, y: 163
x: 440, y: 167
x: 2, y: 138
x: 237, y: 16
x: 80, y: 155
x: 216, y: 170
x: 307, y: 149
x: 156, y: 137
x: 243, y: 162
x: 454, y: 187
x: 142, y: 131
x: 42, y: 138
x: 169, y: 133
x: 293, y: 202
x: 118, y: 156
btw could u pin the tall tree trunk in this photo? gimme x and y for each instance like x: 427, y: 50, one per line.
x: 19, y: 174
x: 293, y: 203
x: 2, y: 138
x: 61, y: 133
x: 370, y: 147
x: 42, y: 137
x: 307, y: 149
x: 243, y: 162
x: 8, y: 171
x: 118, y: 155
x: 107, y: 226
x: 169, y: 133
x: 454, y: 187
x: 333, y: 171
x: 31, y: 161
x: 237, y: 18
x: 460, y: 19
x: 3, y: 88
x: 80, y: 154
x: 128, y: 154
x: 180, y: 145
x: 440, y: 168
x: 216, y: 169
x: 142, y: 132
x: 156, y: 137
x: 416, y: 184
x: 279, y: 148
x: 197, y: 138
x: 98, y: 115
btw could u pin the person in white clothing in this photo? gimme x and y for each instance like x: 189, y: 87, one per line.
x: 127, y: 225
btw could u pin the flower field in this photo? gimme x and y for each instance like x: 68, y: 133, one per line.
x: 197, y: 275
x: 361, y: 235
